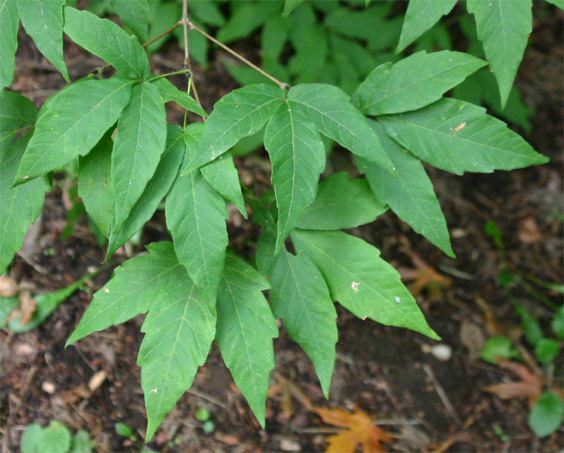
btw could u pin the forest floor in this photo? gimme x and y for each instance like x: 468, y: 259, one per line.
x: 422, y: 401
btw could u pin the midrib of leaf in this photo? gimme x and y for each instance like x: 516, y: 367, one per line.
x: 173, y: 352
x: 342, y: 267
x: 302, y: 299
x: 465, y: 140
x: 247, y: 355
x: 330, y: 120
x: 246, y: 116
x: 156, y: 277
x: 102, y: 44
x: 76, y: 123
x: 200, y: 241
x: 405, y: 74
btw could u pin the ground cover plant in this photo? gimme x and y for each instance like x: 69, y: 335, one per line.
x: 194, y: 289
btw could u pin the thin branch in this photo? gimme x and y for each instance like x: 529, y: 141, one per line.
x: 282, y: 85
x: 183, y: 71
x: 163, y: 34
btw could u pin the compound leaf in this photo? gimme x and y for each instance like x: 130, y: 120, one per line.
x: 139, y: 143
x: 342, y: 203
x: 504, y: 28
x: 457, y: 136
x: 245, y: 328
x: 95, y: 184
x: 329, y: 108
x: 71, y: 124
x: 195, y: 215
x: 170, y: 93
x: 19, y: 206
x: 156, y: 189
x: 16, y: 112
x: 298, y: 158
x: 109, y: 41
x: 414, y: 82
x: 134, y: 14
x: 410, y: 195
x: 179, y: 330
x: 300, y: 296
x: 420, y: 16
x: 222, y: 175
x: 9, y: 23
x: 133, y: 289
x: 236, y: 115
x: 43, y: 21
x: 360, y: 280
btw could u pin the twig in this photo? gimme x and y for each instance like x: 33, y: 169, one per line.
x: 163, y: 34
x: 442, y: 395
x: 282, y: 85
x: 211, y: 399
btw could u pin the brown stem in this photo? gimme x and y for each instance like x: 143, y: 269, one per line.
x: 236, y: 55
x: 164, y: 33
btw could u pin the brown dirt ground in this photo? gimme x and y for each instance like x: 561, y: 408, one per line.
x: 425, y: 404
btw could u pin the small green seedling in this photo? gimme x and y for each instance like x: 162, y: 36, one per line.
x: 56, y: 438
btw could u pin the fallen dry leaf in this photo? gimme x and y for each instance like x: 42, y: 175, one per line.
x: 8, y: 286
x: 530, y: 385
x: 27, y: 306
x: 529, y: 232
x: 472, y: 336
x: 361, y: 430
x: 424, y: 277
x: 288, y: 392
x: 97, y: 380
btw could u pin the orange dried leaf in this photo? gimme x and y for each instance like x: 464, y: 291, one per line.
x: 361, y: 430
x: 530, y: 385
x: 424, y: 277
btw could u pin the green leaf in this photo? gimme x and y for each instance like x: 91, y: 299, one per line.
x: 7, y: 304
x: 291, y: 5
x: 298, y: 159
x: 139, y: 143
x: 457, y: 136
x: 557, y: 3
x: 342, y: 203
x: 55, y: 438
x: 245, y: 328
x: 498, y: 347
x: 170, y: 93
x: 329, y: 108
x: 95, y: 184
x: 546, y: 416
x: 360, y: 280
x: 420, y: 16
x: 238, y: 114
x: 195, y: 215
x: 19, y: 206
x: 68, y: 128
x: 154, y: 192
x: 414, y: 82
x: 222, y: 175
x: 9, y: 23
x: 245, y: 18
x: 162, y: 15
x: 411, y: 195
x: 546, y: 350
x: 124, y: 430
x: 132, y: 291
x: 504, y: 28
x: 81, y: 443
x: 558, y: 323
x: 179, y: 330
x: 16, y: 112
x: 30, y: 438
x: 134, y: 14
x: 43, y: 21
x: 300, y: 296
x: 109, y: 41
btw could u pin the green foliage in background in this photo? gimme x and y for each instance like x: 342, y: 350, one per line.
x: 339, y: 80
